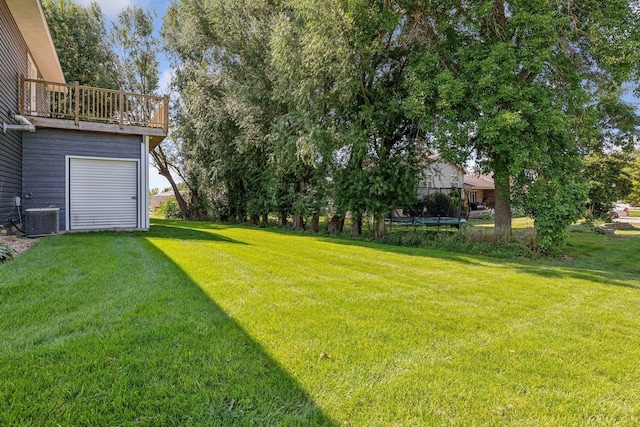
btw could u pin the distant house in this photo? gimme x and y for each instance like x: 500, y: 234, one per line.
x: 81, y: 149
x: 158, y: 199
x: 480, y: 189
x: 440, y: 177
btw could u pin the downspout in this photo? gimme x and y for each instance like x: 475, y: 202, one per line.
x: 25, y: 126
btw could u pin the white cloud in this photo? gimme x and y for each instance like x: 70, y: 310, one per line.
x: 109, y: 7
x: 165, y: 81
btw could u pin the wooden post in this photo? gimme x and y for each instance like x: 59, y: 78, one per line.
x: 47, y: 103
x: 121, y: 109
x: 76, y: 88
x: 166, y: 114
x: 22, y: 95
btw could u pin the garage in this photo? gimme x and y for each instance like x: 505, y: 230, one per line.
x: 102, y: 193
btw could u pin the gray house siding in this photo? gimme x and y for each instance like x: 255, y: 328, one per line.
x: 13, y: 63
x: 44, y: 156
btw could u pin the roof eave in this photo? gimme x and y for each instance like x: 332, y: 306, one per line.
x: 32, y: 24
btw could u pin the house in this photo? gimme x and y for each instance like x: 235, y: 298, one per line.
x: 80, y: 149
x: 440, y: 177
x: 480, y: 189
x: 158, y: 199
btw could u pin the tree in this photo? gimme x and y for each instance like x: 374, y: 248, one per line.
x: 609, y: 180
x: 222, y: 76
x: 344, y: 70
x: 136, y: 49
x: 633, y: 170
x: 527, y: 87
x: 79, y: 35
x: 293, y: 102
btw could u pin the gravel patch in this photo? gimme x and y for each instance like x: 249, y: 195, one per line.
x: 18, y: 244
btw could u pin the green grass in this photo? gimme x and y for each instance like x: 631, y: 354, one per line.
x: 634, y: 212
x: 516, y: 223
x: 203, y: 324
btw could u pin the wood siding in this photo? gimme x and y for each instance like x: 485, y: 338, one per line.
x: 44, y: 155
x: 13, y: 64
x: 438, y: 177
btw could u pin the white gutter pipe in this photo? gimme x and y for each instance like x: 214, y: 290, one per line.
x: 25, y: 126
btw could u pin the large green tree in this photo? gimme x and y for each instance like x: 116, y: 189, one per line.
x: 295, y: 102
x: 633, y: 171
x: 79, y: 34
x: 609, y: 180
x: 136, y: 49
x: 343, y: 66
x: 220, y: 53
x: 527, y: 87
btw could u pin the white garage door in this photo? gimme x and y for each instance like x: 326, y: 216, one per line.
x: 102, y: 194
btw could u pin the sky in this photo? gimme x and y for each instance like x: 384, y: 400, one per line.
x: 110, y: 9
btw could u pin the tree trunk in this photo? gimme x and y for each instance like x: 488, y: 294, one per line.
x: 378, y: 226
x: 502, y: 217
x: 282, y: 219
x: 182, y: 203
x: 194, y: 205
x: 264, y: 220
x: 315, y: 223
x: 298, y: 222
x: 254, y: 219
x: 336, y: 224
x: 356, y: 227
x: 162, y: 165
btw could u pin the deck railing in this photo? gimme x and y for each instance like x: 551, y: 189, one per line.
x: 89, y: 104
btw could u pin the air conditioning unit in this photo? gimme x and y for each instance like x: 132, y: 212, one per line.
x: 43, y: 222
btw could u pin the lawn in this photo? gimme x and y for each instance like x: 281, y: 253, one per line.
x: 205, y: 324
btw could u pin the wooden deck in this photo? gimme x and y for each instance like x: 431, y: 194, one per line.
x: 74, y: 106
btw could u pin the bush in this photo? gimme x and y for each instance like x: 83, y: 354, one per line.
x: 517, y: 213
x: 468, y: 240
x: 6, y: 253
x: 487, y: 216
x: 438, y: 204
x: 169, y: 209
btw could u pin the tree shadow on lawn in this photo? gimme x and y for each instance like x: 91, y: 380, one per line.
x: 546, y: 268
x: 551, y: 269
x: 198, y: 225
x: 184, y: 231
x: 161, y: 354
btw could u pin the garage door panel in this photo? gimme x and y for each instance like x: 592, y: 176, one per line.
x: 103, y: 194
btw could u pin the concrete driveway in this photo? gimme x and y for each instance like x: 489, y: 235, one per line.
x: 629, y: 220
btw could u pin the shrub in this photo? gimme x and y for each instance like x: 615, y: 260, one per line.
x: 518, y: 213
x: 438, y: 204
x: 6, y: 253
x: 486, y: 216
x: 169, y: 209
x: 468, y: 240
